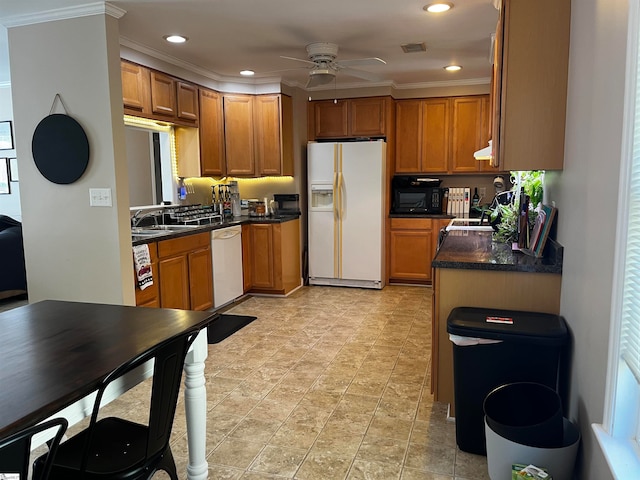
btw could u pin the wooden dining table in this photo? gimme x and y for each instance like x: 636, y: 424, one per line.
x: 53, y: 355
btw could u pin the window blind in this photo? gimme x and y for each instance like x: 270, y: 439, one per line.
x: 630, y: 331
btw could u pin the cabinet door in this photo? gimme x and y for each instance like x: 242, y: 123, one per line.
x: 174, y: 282
x: 466, y: 130
x: 408, y: 136
x: 201, y: 279
x: 366, y: 117
x: 211, y: 134
x: 485, y: 165
x: 135, y: 88
x: 262, y: 248
x: 238, y: 135
x: 267, y: 134
x: 331, y: 119
x: 149, y: 297
x: 163, y: 95
x: 411, y: 254
x: 435, y: 135
x: 187, y: 102
x: 247, y: 259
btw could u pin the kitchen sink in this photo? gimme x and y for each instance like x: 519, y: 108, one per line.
x: 156, y: 229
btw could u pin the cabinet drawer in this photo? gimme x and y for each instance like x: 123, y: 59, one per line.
x: 176, y: 246
x: 411, y: 223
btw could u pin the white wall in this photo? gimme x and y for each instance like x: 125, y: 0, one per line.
x: 73, y: 251
x: 586, y: 194
x: 9, y: 204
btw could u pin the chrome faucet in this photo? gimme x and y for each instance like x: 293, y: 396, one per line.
x: 137, y: 217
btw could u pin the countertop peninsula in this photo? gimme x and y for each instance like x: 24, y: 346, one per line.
x: 477, y: 250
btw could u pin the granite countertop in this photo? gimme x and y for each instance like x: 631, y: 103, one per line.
x: 420, y: 215
x: 168, y: 234
x: 476, y: 250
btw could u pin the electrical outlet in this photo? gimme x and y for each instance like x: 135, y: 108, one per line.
x: 100, y: 197
x: 482, y: 191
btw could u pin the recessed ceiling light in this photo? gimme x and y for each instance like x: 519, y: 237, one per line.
x: 438, y: 7
x: 247, y: 73
x: 175, y: 38
x: 453, y: 68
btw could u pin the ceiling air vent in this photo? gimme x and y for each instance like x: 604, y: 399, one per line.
x: 414, y: 47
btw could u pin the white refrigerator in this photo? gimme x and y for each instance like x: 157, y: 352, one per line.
x: 346, y: 183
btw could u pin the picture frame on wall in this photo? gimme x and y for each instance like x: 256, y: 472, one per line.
x: 6, y: 135
x: 13, y: 169
x: 5, y: 188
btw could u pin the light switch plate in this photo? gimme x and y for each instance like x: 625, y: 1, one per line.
x: 100, y: 197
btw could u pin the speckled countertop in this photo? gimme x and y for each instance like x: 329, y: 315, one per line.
x: 476, y: 250
x: 166, y: 235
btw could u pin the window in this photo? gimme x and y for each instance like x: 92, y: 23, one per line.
x: 619, y: 435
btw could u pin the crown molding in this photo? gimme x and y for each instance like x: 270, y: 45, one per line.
x: 445, y: 83
x: 89, y: 9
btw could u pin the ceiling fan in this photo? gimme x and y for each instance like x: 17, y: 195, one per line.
x: 323, y: 65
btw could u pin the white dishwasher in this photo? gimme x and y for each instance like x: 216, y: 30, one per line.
x: 226, y: 252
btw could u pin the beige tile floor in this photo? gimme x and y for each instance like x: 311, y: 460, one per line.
x: 328, y: 383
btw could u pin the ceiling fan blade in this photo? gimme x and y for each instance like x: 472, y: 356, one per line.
x: 298, y: 59
x: 352, y: 72
x: 356, y: 62
x: 270, y: 72
x: 317, y: 80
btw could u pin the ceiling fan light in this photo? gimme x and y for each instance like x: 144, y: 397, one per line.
x: 438, y: 7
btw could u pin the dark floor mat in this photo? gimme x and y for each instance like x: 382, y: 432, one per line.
x: 226, y: 325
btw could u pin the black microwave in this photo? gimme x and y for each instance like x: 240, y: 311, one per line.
x: 416, y: 194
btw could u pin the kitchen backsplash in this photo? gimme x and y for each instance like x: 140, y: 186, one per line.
x: 199, y: 188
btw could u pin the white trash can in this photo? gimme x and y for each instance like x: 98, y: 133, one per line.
x: 559, y: 462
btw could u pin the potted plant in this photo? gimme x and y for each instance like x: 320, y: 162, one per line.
x: 505, y: 217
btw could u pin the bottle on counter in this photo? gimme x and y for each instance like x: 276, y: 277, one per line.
x: 475, y: 201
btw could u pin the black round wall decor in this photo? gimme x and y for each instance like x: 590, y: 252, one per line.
x: 60, y: 149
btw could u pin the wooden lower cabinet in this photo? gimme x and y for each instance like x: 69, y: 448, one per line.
x: 185, y: 272
x: 150, y: 296
x: 412, y: 246
x: 462, y: 287
x: 273, y: 253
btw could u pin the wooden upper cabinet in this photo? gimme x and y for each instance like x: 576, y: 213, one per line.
x: 273, y: 122
x: 163, y: 94
x: 211, y: 126
x: 366, y: 117
x: 353, y: 117
x: 135, y: 88
x: 439, y: 135
x: 187, y: 101
x: 422, y: 135
x: 156, y: 95
x: 532, y: 89
x: 467, y: 131
x: 435, y: 134
x: 408, y: 136
x: 330, y: 119
x: 238, y: 135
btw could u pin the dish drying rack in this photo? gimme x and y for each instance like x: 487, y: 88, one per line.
x: 193, y: 215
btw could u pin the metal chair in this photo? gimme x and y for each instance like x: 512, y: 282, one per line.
x: 116, y: 448
x: 16, y: 449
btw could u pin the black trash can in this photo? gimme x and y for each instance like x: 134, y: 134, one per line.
x: 528, y: 347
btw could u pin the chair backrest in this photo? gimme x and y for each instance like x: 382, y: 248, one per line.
x: 168, y: 359
x: 16, y: 449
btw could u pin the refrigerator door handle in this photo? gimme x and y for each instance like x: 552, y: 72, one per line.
x: 336, y: 196
x: 340, y: 188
